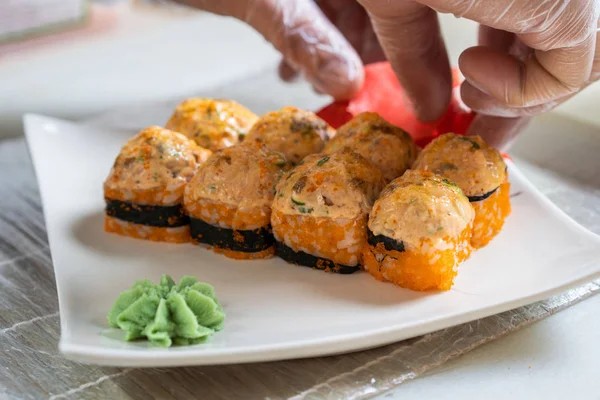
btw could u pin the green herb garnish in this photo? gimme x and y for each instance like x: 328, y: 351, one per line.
x: 281, y: 163
x: 141, y: 159
x: 212, y: 187
x: 296, y: 202
x: 155, y: 176
x: 474, y: 143
x: 302, y: 127
x: 305, y: 210
x: 322, y: 161
x: 449, y: 182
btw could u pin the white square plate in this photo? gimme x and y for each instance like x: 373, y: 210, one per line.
x: 275, y: 310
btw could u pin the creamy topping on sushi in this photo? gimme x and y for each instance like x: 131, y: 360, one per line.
x: 213, y: 124
x: 388, y: 147
x: 242, y: 176
x: 467, y: 160
x: 420, y: 205
x: 341, y: 185
x: 293, y: 132
x: 155, y: 160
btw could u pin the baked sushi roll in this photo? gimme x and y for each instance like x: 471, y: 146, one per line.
x: 479, y: 170
x: 212, y: 124
x: 419, y: 232
x: 144, y: 190
x: 229, y: 200
x: 320, y: 211
x: 388, y: 147
x: 293, y: 132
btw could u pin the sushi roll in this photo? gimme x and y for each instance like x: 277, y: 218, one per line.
x: 479, y: 170
x: 388, y: 147
x: 419, y: 231
x: 320, y: 211
x: 144, y: 190
x: 212, y: 124
x: 293, y: 132
x: 229, y: 200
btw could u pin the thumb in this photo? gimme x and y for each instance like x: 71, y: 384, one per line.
x: 306, y: 38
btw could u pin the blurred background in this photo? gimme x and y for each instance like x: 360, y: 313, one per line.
x: 79, y: 58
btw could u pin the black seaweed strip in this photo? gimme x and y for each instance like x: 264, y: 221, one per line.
x: 308, y: 260
x: 158, y: 216
x: 247, y: 241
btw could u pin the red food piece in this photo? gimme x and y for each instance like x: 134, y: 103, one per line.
x: 383, y: 94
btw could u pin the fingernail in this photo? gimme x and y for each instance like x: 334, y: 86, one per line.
x: 342, y: 76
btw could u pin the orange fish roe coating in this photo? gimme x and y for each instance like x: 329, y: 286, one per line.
x: 416, y: 269
x: 227, y: 215
x: 234, y: 188
x: 338, y: 240
x: 421, y: 228
x: 479, y: 170
x: 153, y: 168
x: 293, y: 132
x: 387, y: 146
x: 322, y: 205
x: 213, y: 124
x: 490, y: 215
x: 179, y: 234
x: 476, y: 167
x: 241, y: 255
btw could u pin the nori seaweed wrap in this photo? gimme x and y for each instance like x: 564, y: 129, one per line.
x: 419, y: 231
x: 229, y: 200
x: 320, y: 211
x: 144, y: 190
x: 479, y: 170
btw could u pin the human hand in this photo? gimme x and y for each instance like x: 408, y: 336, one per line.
x: 532, y: 56
x: 351, y: 19
x: 309, y: 42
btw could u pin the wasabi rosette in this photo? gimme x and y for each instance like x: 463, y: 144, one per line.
x: 168, y: 313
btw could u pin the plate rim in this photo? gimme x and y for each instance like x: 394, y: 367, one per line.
x: 147, y: 357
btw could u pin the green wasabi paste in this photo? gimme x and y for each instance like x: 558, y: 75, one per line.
x: 167, y: 313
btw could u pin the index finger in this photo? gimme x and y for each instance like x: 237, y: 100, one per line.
x: 410, y: 36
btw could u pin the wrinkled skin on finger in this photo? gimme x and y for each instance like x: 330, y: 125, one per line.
x: 306, y: 38
x: 351, y: 19
x: 532, y: 56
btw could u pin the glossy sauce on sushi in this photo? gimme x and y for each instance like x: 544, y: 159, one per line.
x: 387, y: 146
x: 481, y: 173
x: 293, y: 132
x: 154, y: 167
x: 144, y: 189
x: 321, y: 209
x: 213, y: 124
x: 419, y: 231
x: 420, y: 206
x: 472, y: 164
x: 229, y: 200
